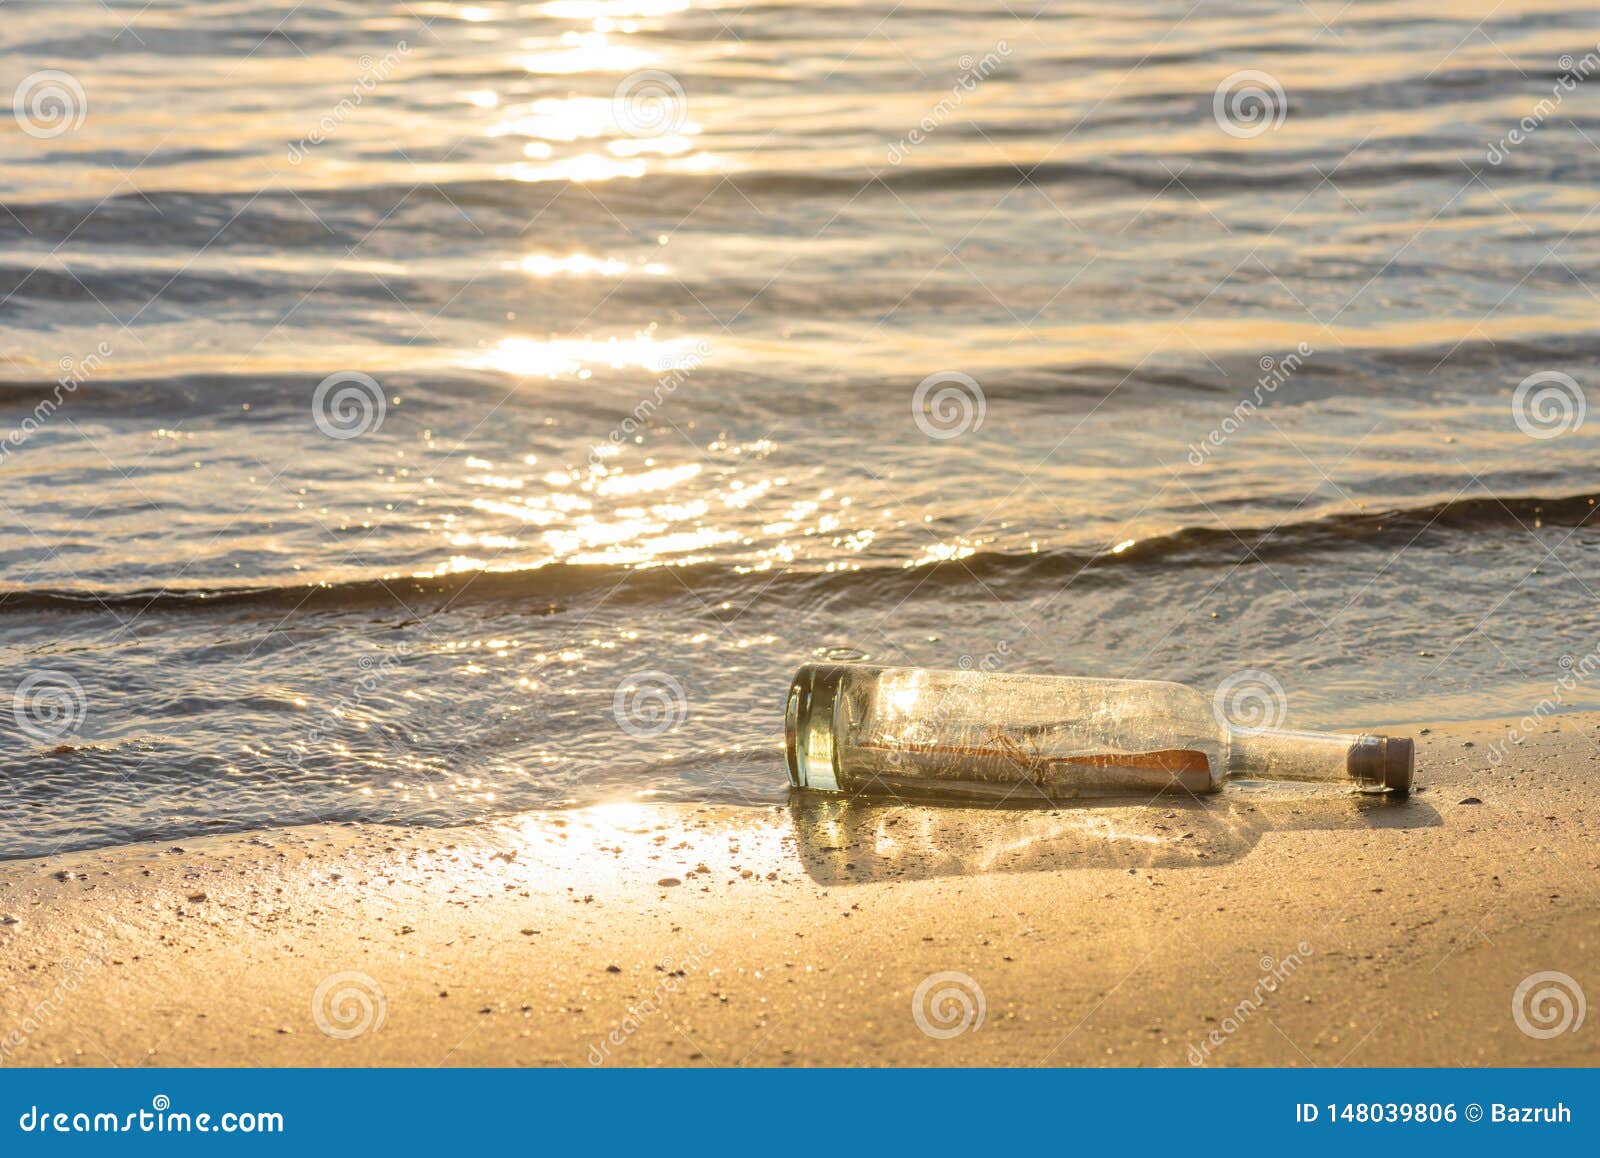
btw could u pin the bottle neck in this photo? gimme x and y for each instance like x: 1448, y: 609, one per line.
x: 1315, y: 756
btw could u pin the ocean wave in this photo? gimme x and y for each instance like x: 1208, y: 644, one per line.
x: 552, y: 588
x: 341, y: 218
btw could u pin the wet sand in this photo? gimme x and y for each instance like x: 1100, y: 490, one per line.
x: 1267, y: 926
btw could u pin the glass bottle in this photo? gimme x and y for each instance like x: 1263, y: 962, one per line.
x: 886, y: 730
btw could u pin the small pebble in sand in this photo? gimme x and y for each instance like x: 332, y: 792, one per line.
x: 1470, y: 800
x: 197, y: 897
x: 613, y: 968
x: 669, y: 882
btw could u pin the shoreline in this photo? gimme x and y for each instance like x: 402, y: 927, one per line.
x: 1269, y: 925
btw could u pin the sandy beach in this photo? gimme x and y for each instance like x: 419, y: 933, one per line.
x: 1267, y: 926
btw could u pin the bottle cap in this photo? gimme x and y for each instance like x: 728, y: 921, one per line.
x: 1386, y: 761
x: 1399, y: 761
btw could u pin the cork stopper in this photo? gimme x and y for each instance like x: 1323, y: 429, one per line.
x: 1383, y: 761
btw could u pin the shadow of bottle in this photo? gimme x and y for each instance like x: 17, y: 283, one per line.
x: 845, y: 841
